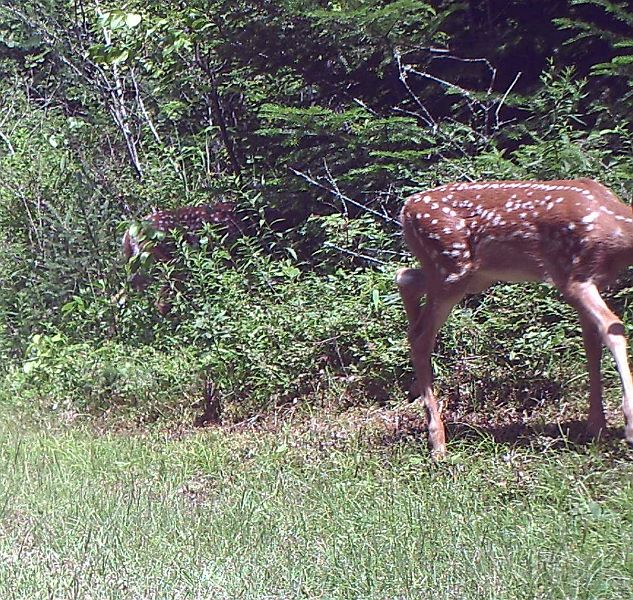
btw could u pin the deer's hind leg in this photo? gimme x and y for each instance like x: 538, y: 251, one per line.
x: 596, y: 423
x: 422, y: 337
x: 424, y: 324
x: 412, y: 286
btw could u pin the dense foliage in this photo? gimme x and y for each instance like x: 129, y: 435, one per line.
x: 316, y: 118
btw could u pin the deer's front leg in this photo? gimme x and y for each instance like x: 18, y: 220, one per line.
x: 611, y: 332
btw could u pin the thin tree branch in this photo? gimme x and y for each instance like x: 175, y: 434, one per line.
x: 7, y: 141
x: 503, y: 99
x: 338, y: 194
x: 426, y: 116
x: 215, y: 105
x: 355, y: 254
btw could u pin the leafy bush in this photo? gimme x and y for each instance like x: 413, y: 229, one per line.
x: 317, y: 127
x: 267, y: 333
x: 142, y: 384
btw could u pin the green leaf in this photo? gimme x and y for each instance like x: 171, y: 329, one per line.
x: 117, y: 20
x: 69, y: 307
x: 30, y: 365
x: 118, y: 56
x: 375, y: 299
x: 132, y: 20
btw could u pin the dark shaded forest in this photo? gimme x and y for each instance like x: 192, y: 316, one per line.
x: 315, y: 119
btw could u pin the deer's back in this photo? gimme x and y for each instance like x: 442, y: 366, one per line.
x: 516, y: 230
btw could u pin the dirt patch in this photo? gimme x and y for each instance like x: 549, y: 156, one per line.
x: 549, y: 426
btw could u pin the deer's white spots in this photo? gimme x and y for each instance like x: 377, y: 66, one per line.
x: 538, y: 216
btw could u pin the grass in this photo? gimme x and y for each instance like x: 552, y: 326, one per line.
x: 215, y: 514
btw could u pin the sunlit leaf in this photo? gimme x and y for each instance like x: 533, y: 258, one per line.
x: 132, y: 20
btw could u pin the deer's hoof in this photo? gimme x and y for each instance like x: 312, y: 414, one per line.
x: 437, y: 443
x: 439, y: 453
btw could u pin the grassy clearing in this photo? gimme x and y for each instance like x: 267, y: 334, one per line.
x: 219, y: 515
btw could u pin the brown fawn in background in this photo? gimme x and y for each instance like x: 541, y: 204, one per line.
x: 576, y: 235
x: 152, y: 237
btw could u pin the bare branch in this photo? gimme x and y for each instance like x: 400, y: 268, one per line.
x: 403, y: 70
x: 338, y: 194
x: 7, y: 141
x: 355, y: 254
x: 444, y: 82
x: 503, y: 99
x: 148, y: 118
x: 112, y: 90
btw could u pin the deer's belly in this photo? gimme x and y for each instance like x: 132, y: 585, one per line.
x: 518, y: 273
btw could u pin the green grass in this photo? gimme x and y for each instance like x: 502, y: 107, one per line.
x: 246, y: 515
